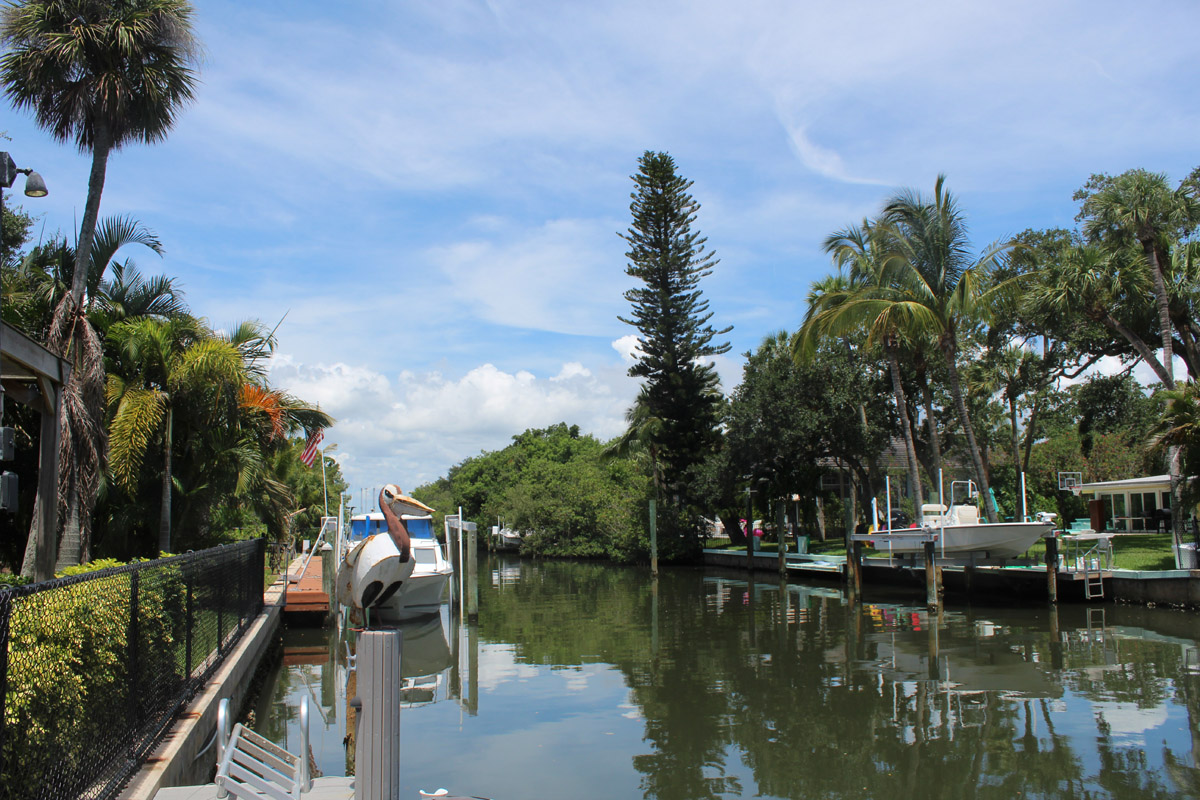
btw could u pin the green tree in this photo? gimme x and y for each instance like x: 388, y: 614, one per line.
x: 942, y: 289
x: 102, y: 75
x: 671, y: 317
x: 869, y: 253
x: 164, y: 362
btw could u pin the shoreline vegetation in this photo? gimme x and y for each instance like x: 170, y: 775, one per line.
x: 919, y: 357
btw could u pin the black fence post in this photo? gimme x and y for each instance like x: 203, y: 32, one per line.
x: 6, y: 599
x: 189, y: 622
x: 220, y: 622
x: 134, y: 681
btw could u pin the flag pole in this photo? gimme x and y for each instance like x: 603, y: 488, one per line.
x: 324, y: 484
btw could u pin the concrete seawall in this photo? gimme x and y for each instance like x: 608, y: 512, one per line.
x: 177, y: 760
x: 1179, y: 587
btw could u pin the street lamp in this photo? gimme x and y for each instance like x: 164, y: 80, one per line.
x: 34, y: 187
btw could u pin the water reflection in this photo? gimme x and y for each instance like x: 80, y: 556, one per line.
x: 589, y: 680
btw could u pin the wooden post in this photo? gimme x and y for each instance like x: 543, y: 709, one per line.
x: 329, y: 578
x: 377, y: 724
x: 472, y: 576
x: 856, y: 576
x: 1052, y: 568
x: 653, y: 538
x: 781, y: 536
x: 749, y: 530
x: 931, y: 581
x: 47, y: 507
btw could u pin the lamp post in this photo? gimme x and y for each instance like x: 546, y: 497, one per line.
x: 34, y: 187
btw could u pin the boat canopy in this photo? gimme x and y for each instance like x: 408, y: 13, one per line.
x: 365, y: 525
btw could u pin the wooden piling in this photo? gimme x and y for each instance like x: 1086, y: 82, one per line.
x: 472, y: 576
x: 653, y: 538
x: 377, y: 734
x: 1052, y: 568
x: 856, y: 577
x: 931, y: 578
x: 781, y: 537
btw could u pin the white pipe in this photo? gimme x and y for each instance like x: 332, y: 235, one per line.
x: 1024, y: 511
x: 887, y: 484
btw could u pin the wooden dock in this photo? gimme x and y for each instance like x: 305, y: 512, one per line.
x: 308, y: 596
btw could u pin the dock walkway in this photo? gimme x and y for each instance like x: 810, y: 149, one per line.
x: 337, y: 788
x: 308, y: 595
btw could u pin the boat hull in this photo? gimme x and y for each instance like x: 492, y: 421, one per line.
x: 998, y: 540
x: 421, y: 595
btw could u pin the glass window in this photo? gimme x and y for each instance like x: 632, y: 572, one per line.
x: 1148, y: 503
x: 1166, y: 500
x: 1118, y: 505
x: 1135, y: 505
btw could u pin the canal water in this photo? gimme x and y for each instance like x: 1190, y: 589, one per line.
x: 592, y: 681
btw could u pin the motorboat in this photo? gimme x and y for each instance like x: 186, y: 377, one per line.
x: 372, y: 575
x: 957, y: 531
x: 506, y: 538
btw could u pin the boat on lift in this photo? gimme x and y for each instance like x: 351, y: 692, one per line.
x: 957, y: 532
x: 373, y: 574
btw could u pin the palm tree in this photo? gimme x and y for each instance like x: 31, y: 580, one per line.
x: 1138, y: 208
x: 103, y: 75
x: 941, y: 289
x: 160, y: 364
x: 868, y: 252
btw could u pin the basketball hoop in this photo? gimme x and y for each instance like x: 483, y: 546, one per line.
x: 1070, y: 482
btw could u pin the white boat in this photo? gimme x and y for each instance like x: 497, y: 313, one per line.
x: 372, y: 576
x: 958, y: 532
x: 506, y: 538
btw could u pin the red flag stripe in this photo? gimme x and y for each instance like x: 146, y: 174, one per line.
x: 310, y: 452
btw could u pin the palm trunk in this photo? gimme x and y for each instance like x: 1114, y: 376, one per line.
x: 1162, y: 300
x: 935, y: 439
x: 910, y: 450
x: 1016, y: 433
x: 101, y: 147
x: 164, y: 519
x: 1031, y: 430
x: 948, y: 349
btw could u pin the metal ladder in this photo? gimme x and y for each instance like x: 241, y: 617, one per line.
x: 252, y: 767
x: 1093, y: 580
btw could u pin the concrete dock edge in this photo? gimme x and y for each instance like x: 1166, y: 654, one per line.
x: 173, y: 762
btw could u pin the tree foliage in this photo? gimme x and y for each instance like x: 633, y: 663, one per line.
x: 675, y: 339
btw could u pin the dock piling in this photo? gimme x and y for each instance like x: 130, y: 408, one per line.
x: 377, y: 727
x: 932, y: 600
x: 1052, y: 568
x: 472, y: 577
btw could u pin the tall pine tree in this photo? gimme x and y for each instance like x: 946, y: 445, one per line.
x: 681, y: 391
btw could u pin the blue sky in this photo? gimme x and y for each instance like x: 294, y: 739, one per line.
x: 429, y: 193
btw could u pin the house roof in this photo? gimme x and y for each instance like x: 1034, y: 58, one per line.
x: 1128, y: 485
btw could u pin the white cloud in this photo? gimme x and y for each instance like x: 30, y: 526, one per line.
x: 628, y: 347
x: 413, y: 427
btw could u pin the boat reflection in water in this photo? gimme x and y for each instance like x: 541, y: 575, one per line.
x: 428, y: 671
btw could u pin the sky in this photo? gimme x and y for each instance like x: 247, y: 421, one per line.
x: 427, y: 197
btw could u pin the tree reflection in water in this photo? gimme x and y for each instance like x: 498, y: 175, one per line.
x: 730, y: 688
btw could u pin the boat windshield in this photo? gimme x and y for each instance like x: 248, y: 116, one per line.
x: 419, y: 527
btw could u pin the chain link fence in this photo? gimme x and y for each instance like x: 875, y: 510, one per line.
x: 94, y: 667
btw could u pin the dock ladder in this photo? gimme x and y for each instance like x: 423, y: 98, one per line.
x: 252, y: 767
x: 1093, y: 583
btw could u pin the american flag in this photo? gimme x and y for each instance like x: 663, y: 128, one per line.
x: 310, y: 451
